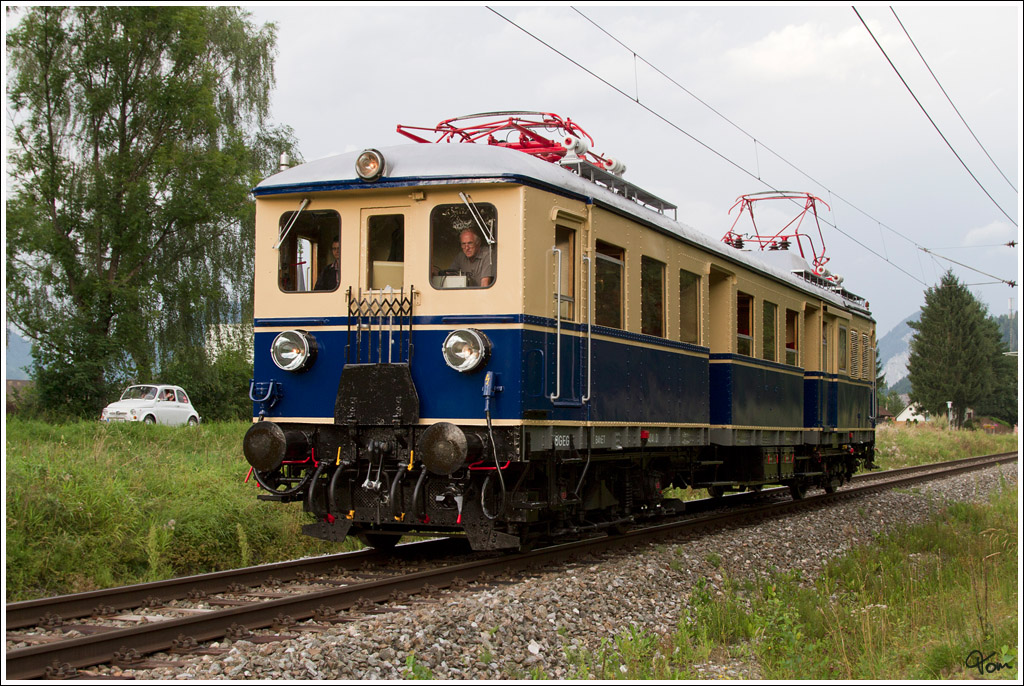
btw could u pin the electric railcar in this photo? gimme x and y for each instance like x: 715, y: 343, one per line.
x: 508, y: 341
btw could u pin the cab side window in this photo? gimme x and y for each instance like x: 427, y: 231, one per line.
x: 309, y: 253
x: 463, y: 245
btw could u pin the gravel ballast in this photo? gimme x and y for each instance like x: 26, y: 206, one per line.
x: 515, y: 630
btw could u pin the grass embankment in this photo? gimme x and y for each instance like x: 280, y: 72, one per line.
x: 908, y: 446
x: 935, y: 601
x: 92, y: 506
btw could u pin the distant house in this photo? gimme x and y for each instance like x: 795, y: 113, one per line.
x: 912, y: 413
x: 884, y: 415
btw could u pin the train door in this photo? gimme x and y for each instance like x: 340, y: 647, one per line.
x: 568, y: 343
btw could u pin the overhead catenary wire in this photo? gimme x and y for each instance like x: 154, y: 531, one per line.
x: 932, y: 121
x: 696, y: 140
x: 950, y: 100
x: 720, y: 155
x: 756, y: 141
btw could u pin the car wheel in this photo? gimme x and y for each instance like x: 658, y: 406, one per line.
x: 193, y: 421
x: 150, y: 419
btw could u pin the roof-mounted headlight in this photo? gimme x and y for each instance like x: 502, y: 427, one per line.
x: 370, y: 165
x: 466, y: 350
x: 294, y: 351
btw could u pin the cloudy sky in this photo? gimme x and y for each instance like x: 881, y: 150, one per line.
x: 808, y: 83
x: 827, y: 111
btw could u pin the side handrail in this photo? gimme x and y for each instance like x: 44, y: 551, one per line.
x: 270, y: 391
x: 558, y: 327
x: 590, y: 320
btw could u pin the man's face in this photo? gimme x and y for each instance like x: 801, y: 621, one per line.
x: 469, y: 244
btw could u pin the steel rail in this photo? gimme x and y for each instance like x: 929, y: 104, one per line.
x: 30, y: 612
x: 99, y: 648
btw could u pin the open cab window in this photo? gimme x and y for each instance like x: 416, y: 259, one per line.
x: 386, y: 245
x: 309, y: 255
x: 463, y: 245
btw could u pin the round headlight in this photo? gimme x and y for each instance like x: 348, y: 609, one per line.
x: 370, y: 165
x: 466, y: 350
x: 294, y: 351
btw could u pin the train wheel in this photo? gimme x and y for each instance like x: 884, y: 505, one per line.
x: 716, y: 491
x: 756, y: 488
x: 831, y: 486
x: 798, y: 490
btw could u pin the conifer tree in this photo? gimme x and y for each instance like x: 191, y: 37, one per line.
x: 954, y: 352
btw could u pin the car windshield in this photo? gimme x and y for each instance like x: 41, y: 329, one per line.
x: 139, y: 393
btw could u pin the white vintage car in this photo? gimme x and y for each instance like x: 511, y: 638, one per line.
x: 152, y: 404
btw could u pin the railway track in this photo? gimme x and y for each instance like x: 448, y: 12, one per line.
x: 123, y: 625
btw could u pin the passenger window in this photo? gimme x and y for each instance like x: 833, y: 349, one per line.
x: 792, y: 334
x: 463, y: 245
x: 689, y: 307
x: 182, y: 398
x: 652, y: 297
x: 841, y: 348
x: 744, y: 324
x: 768, y: 336
x: 608, y: 269
x: 309, y: 255
x: 385, y: 240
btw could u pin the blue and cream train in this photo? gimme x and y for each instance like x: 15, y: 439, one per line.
x: 615, y: 351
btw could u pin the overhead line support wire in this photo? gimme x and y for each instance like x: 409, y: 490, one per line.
x: 1011, y: 284
x: 742, y: 130
x: 757, y: 143
x: 934, y: 125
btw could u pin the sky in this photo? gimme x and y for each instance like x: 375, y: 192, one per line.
x: 795, y: 98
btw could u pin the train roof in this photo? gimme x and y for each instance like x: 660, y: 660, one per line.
x: 420, y: 164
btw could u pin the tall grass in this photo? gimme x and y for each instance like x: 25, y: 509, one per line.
x: 935, y: 601
x: 92, y: 505
x: 910, y: 445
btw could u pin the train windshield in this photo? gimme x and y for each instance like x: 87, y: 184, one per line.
x: 463, y: 245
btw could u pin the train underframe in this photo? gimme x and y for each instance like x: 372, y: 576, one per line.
x: 379, y: 483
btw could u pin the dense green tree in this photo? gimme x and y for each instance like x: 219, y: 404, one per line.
x: 955, y: 352
x: 137, y: 134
